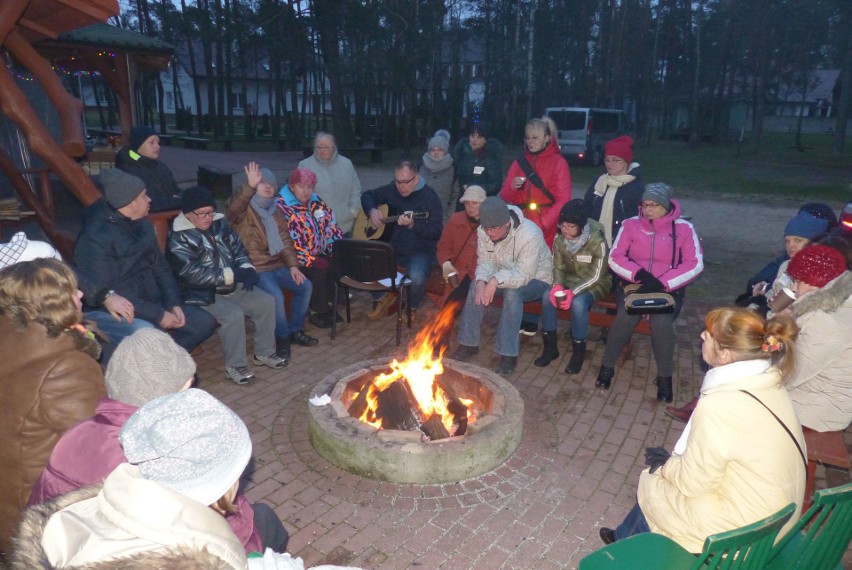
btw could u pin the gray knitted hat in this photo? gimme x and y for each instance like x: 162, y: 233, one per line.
x: 146, y: 365
x: 659, y: 192
x: 267, y: 175
x: 440, y: 140
x: 190, y: 442
x: 493, y: 212
x: 120, y: 188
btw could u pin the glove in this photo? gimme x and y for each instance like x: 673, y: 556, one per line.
x: 553, y: 290
x: 247, y: 276
x: 655, y: 457
x: 650, y: 284
x: 446, y: 269
x: 565, y: 304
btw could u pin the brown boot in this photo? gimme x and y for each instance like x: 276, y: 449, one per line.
x: 682, y: 414
x: 380, y: 310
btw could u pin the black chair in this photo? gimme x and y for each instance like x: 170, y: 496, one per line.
x: 361, y: 264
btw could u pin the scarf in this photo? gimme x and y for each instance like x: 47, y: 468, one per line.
x: 574, y: 245
x: 265, y: 207
x: 607, y: 186
x: 719, y: 377
x: 437, y: 165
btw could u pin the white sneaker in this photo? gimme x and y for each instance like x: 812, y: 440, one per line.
x: 272, y: 361
x: 239, y: 374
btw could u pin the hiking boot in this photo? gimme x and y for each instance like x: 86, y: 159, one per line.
x: 605, y: 377
x: 577, y: 357
x: 282, y: 347
x: 302, y: 339
x: 465, y: 353
x: 272, y: 361
x: 239, y: 374
x: 320, y: 320
x: 607, y: 535
x: 682, y: 414
x: 507, y: 365
x: 550, y: 351
x: 380, y: 309
x: 528, y: 329
x: 664, y: 388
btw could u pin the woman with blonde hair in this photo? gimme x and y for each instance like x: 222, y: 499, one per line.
x: 49, y: 377
x: 741, y: 456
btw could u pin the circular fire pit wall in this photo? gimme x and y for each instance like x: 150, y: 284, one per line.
x: 403, y: 456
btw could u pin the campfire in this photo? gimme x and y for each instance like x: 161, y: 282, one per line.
x: 414, y: 395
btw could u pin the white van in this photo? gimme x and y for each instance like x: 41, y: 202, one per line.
x: 583, y: 131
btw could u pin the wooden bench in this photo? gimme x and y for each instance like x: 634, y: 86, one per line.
x: 828, y: 448
x: 375, y: 152
x: 195, y: 142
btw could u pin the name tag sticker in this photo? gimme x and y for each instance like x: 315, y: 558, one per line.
x: 584, y: 258
x: 478, y: 169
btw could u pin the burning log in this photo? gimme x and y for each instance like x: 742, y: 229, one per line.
x: 434, y: 429
x: 397, y: 407
x: 455, y: 406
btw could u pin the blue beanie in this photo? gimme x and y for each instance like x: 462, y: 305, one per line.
x: 806, y: 226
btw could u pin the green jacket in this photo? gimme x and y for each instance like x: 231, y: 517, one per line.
x: 587, y: 270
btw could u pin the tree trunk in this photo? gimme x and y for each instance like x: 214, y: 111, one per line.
x: 327, y: 14
x: 843, y: 106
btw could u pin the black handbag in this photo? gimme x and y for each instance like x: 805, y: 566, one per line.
x: 651, y: 302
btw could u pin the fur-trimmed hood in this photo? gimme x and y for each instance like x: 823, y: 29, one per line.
x: 28, y: 552
x: 827, y: 299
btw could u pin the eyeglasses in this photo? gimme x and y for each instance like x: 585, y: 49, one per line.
x: 323, y: 147
x: 404, y: 182
x: 649, y: 205
x: 494, y: 229
x: 204, y: 214
x: 614, y: 160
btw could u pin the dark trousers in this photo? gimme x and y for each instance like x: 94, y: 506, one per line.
x: 199, y: 327
x: 322, y: 277
x: 269, y: 527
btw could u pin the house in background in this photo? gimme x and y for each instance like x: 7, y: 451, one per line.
x: 812, y: 99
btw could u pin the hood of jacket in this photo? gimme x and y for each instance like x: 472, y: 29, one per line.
x: 84, y: 528
x: 291, y: 201
x: 668, y: 218
x: 181, y: 223
x: 827, y: 299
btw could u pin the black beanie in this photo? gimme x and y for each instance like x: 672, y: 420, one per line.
x: 139, y: 135
x: 574, y: 212
x: 196, y: 197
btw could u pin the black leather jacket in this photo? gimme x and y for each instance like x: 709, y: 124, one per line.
x: 198, y: 259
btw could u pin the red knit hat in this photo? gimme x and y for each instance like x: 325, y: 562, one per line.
x: 622, y: 147
x: 816, y: 265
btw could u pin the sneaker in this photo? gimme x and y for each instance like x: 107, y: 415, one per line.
x: 528, y: 329
x: 239, y: 374
x: 302, y: 339
x: 272, y: 361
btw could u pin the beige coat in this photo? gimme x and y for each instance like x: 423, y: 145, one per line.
x: 821, y: 387
x: 516, y: 260
x: 739, y: 464
x: 165, y: 525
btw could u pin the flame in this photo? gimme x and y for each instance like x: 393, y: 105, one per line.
x: 422, y: 364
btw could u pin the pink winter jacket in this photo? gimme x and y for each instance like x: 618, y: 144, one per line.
x: 90, y: 451
x: 647, y: 244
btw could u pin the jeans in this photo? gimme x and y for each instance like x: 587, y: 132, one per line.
x: 508, y: 342
x: 272, y: 532
x: 634, y: 523
x: 272, y: 282
x: 662, y: 334
x: 115, y: 330
x: 417, y: 267
x: 580, y: 306
x: 231, y: 311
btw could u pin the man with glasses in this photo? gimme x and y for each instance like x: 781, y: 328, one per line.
x: 215, y: 273
x: 416, y: 235
x: 513, y: 261
x: 337, y: 182
x: 125, y: 271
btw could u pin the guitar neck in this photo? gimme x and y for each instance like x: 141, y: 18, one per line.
x: 415, y: 215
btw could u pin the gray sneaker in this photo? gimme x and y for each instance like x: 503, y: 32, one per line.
x: 272, y: 361
x: 239, y: 374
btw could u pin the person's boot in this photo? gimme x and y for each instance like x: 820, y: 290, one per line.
x: 682, y: 414
x: 550, y: 351
x: 506, y: 365
x: 664, y: 388
x: 381, y: 307
x: 605, y: 377
x: 577, y: 357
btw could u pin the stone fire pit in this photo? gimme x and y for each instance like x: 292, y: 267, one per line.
x: 402, y: 456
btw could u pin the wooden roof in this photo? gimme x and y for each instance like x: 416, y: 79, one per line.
x: 50, y: 18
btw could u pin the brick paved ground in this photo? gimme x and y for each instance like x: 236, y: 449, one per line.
x: 576, y: 469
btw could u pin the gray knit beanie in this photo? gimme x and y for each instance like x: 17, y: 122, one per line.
x: 659, y: 192
x: 190, y: 442
x: 268, y: 176
x: 493, y: 212
x: 146, y: 365
x: 440, y: 139
x: 120, y: 188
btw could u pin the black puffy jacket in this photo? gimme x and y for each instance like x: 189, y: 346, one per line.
x: 199, y: 258
x: 159, y: 180
x: 115, y: 252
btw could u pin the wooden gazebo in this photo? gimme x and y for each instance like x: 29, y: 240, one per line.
x: 41, y: 34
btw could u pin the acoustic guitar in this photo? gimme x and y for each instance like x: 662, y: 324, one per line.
x: 364, y: 229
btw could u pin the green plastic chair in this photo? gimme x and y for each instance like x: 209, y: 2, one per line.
x: 819, y: 540
x: 741, y: 549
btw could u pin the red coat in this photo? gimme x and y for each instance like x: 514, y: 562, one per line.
x: 553, y: 170
x: 89, y: 451
x: 458, y: 244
